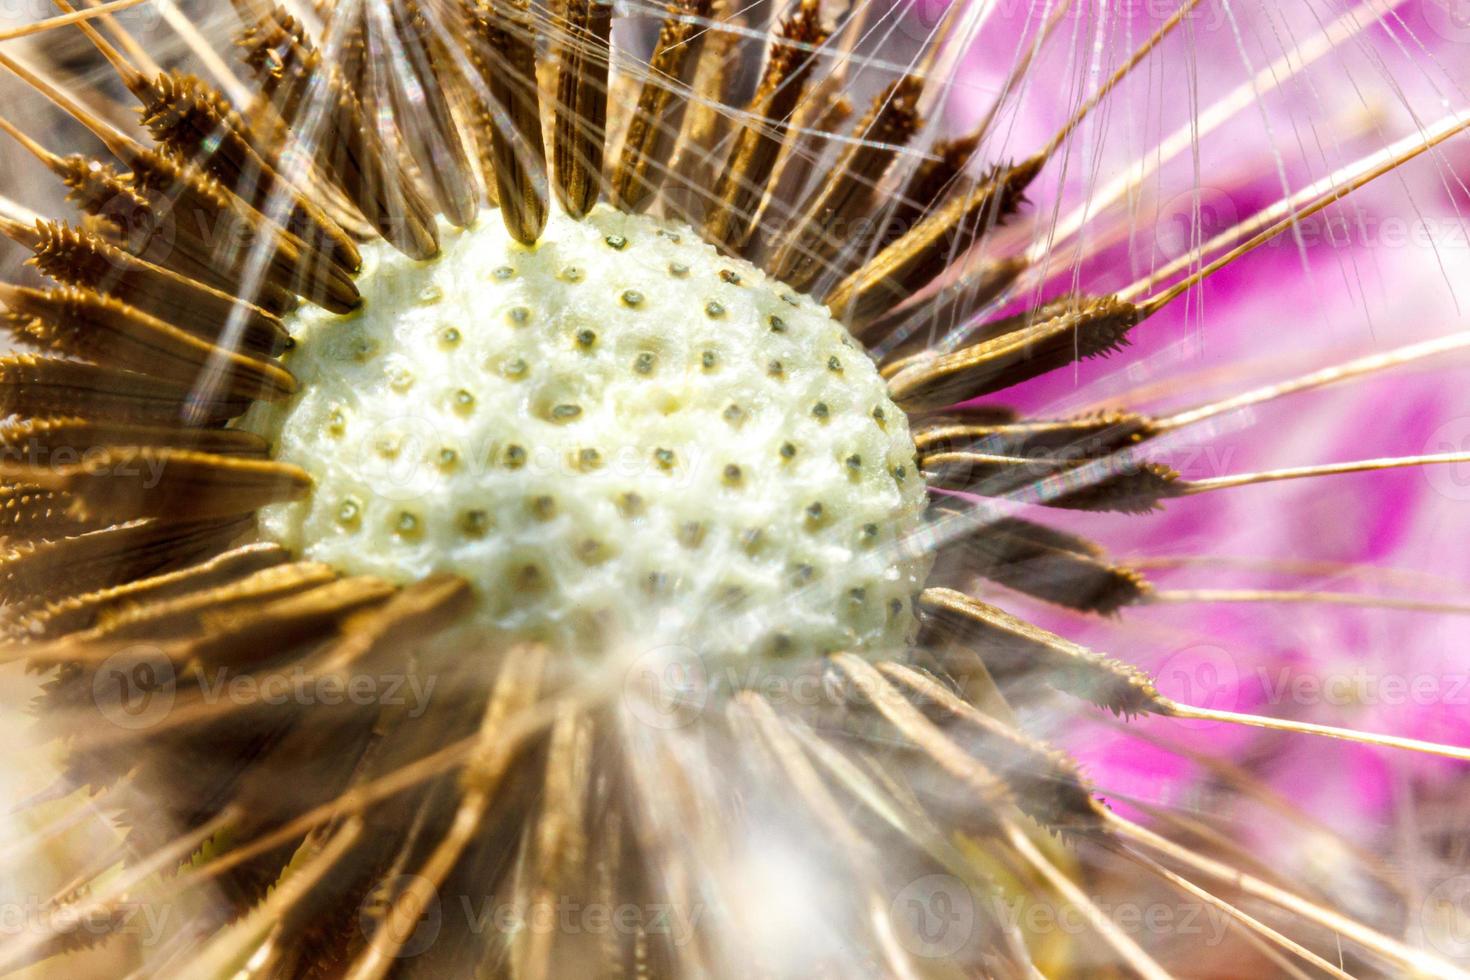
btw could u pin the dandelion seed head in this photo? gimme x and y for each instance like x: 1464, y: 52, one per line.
x: 605, y: 398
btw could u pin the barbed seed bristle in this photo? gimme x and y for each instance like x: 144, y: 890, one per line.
x: 84, y: 610
x: 46, y: 386
x: 1015, y: 651
x: 915, y: 259
x: 76, y: 564
x: 1088, y: 328
x: 294, y: 81
x: 1033, y: 559
x: 823, y: 223
x: 76, y: 257
x: 192, y: 119
x: 741, y: 185
x: 654, y: 124
x: 503, y: 46
x: 87, y: 324
x: 583, y: 60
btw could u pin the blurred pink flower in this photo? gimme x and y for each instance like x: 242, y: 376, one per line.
x: 1379, y: 271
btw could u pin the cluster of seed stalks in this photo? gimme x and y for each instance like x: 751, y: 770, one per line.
x: 176, y: 295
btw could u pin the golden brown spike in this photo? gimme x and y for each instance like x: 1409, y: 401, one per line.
x: 1046, y: 783
x: 190, y: 223
x: 61, y: 440
x: 1016, y: 652
x: 125, y: 481
x: 57, y: 165
x: 583, y: 58
x: 985, y: 789
x: 949, y: 308
x: 922, y: 253
x: 1122, y: 484
x: 130, y: 221
x: 80, y: 612
x: 419, y: 86
x: 479, y: 125
x: 234, y: 635
x: 1001, y: 457
x: 218, y: 225
x: 1033, y: 559
x: 295, y: 80
x: 425, y: 607
x: 78, y: 258
x: 912, y: 353
x: 741, y: 186
x: 109, y: 557
x: 919, y: 256
x: 823, y: 115
x: 180, y: 616
x: 503, y: 44
x: 1086, y: 437
x: 695, y: 162
x: 191, y: 118
x: 231, y: 231
x: 99, y: 328
x: 42, y: 386
x: 1090, y: 328
x: 931, y: 179
x: 654, y: 127
x: 27, y: 513
x: 825, y: 222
